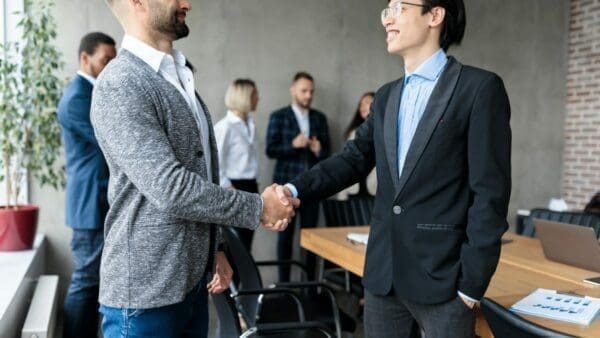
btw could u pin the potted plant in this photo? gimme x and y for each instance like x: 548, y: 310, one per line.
x: 29, y: 133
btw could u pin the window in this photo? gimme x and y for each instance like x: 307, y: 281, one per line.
x: 9, y: 32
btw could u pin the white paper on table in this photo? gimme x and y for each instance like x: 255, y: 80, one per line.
x: 358, y: 238
x: 564, y: 307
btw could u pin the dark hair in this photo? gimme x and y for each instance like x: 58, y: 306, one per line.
x: 455, y: 20
x: 244, y: 82
x: 303, y: 75
x: 357, y: 119
x: 90, y: 42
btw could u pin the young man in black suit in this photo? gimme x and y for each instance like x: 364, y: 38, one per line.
x: 441, y: 141
x: 298, y: 138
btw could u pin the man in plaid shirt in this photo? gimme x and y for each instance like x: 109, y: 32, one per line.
x: 298, y: 138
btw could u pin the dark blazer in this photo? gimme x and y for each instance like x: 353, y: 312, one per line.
x: 87, y: 172
x: 436, y: 229
x: 283, y: 128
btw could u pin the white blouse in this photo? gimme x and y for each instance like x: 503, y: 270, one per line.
x: 238, y: 159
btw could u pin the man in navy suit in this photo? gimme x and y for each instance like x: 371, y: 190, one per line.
x: 298, y: 138
x: 440, y: 139
x: 87, y: 183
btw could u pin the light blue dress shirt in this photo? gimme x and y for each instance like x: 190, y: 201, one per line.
x: 415, y: 95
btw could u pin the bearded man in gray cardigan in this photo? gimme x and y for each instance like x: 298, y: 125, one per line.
x: 162, y: 232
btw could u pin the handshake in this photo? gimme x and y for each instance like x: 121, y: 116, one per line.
x: 278, y: 207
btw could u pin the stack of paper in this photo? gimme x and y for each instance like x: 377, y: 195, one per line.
x: 358, y: 238
x: 553, y: 305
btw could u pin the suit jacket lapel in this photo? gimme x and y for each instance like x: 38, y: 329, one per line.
x: 292, y: 117
x: 85, y: 85
x: 390, y: 131
x: 312, y: 123
x: 440, y: 97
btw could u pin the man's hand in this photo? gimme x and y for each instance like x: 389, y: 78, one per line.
x: 277, y: 212
x: 300, y: 141
x: 285, y: 195
x: 315, y: 145
x: 222, y: 277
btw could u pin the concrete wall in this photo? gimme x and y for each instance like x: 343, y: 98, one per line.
x: 342, y: 44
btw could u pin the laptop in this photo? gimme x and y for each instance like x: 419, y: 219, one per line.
x: 569, y: 244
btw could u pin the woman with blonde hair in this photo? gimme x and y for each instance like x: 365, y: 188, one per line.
x: 235, y: 136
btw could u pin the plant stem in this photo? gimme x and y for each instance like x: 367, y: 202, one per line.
x: 7, y: 177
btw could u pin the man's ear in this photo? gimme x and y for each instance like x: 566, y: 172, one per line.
x: 137, y: 4
x: 437, y: 16
x: 84, y: 59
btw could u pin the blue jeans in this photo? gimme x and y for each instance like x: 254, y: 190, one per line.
x: 81, y: 303
x: 187, y: 319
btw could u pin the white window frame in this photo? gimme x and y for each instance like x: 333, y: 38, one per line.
x: 10, y: 32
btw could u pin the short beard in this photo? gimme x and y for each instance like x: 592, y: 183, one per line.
x: 170, y: 26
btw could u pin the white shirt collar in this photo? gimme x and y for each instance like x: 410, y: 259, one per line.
x: 86, y: 76
x: 233, y: 118
x: 299, y: 111
x: 149, y: 54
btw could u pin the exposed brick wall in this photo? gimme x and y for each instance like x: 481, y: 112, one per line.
x: 581, y: 176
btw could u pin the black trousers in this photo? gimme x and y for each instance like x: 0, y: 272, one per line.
x: 390, y: 317
x: 246, y: 235
x: 307, y: 216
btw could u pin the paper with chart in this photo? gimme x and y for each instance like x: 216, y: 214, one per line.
x: 553, y: 305
x: 358, y: 238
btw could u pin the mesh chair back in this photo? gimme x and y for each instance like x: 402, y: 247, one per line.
x: 505, y: 324
x: 576, y: 218
x: 248, y: 274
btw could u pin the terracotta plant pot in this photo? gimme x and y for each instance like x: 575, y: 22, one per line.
x: 18, y: 227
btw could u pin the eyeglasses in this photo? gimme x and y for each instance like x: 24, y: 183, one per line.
x: 396, y: 10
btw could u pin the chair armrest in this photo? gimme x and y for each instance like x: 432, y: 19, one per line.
x: 330, y: 294
x: 300, y: 265
x: 287, y: 326
x: 271, y: 291
x: 283, y: 262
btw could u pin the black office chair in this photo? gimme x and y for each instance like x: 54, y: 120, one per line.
x: 229, y: 324
x: 576, y: 218
x: 505, y: 324
x: 280, y: 302
x: 354, y: 211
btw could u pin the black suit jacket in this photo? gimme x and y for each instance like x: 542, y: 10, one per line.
x: 283, y: 128
x: 436, y: 229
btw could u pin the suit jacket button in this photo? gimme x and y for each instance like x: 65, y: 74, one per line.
x: 397, y: 209
x: 199, y: 153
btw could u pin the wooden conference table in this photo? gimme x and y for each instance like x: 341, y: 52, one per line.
x: 522, y: 269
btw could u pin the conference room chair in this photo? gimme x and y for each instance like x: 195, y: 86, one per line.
x: 505, y: 324
x: 576, y: 218
x: 230, y: 327
x: 356, y: 210
x: 281, y: 302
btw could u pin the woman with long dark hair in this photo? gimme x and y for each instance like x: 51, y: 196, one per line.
x: 368, y: 185
x: 361, y: 114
